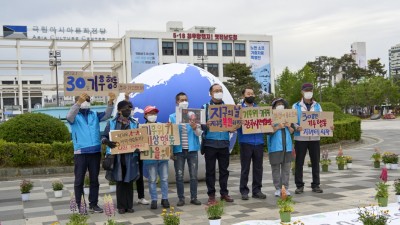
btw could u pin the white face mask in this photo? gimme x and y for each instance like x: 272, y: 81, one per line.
x: 152, y: 118
x: 280, y: 107
x: 219, y: 95
x: 308, y: 95
x: 184, y: 105
x: 85, y: 105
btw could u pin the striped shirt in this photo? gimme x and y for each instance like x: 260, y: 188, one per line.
x: 184, y: 137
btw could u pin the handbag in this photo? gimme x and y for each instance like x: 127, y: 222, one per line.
x: 108, y: 162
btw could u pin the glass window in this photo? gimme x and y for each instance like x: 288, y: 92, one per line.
x: 35, y: 82
x: 198, y: 48
x: 213, y: 69
x: 240, y: 49
x: 168, y: 48
x: 212, y: 49
x: 182, y: 48
x: 226, y: 49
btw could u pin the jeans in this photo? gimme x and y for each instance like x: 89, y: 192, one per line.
x: 314, y: 152
x: 211, y: 155
x: 84, y: 162
x: 159, y: 168
x: 251, y: 153
x: 179, y: 163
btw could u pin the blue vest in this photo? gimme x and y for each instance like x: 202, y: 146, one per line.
x: 219, y: 136
x: 193, y: 139
x: 253, y: 139
x: 113, y: 123
x: 275, y: 141
x: 297, y: 106
x: 86, y: 134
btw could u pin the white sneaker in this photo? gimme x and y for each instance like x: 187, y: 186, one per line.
x: 288, y: 193
x: 143, y: 201
x: 277, y: 193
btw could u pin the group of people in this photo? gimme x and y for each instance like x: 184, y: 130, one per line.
x: 128, y: 168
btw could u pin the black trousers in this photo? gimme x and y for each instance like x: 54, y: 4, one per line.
x: 83, y: 163
x: 249, y: 153
x: 314, y: 152
x: 139, y: 182
x: 222, y: 155
x: 124, y: 189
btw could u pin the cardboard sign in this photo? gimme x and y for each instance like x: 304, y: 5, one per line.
x: 131, y: 88
x: 162, y: 133
x: 96, y: 84
x: 157, y: 152
x: 256, y: 120
x: 188, y: 115
x: 223, y: 117
x: 129, y: 140
x: 284, y: 116
x: 316, y: 124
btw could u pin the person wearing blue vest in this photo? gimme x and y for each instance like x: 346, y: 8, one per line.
x: 85, y: 132
x: 156, y: 168
x: 187, y: 151
x: 126, y: 166
x: 303, y: 143
x: 280, y: 150
x: 216, y: 147
x: 251, y: 150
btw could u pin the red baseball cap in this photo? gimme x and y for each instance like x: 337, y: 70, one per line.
x: 150, y: 108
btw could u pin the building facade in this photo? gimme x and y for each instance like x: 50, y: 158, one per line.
x: 394, y: 61
x: 359, y: 54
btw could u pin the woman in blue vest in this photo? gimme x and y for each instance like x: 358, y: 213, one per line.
x: 279, y: 150
x: 126, y: 166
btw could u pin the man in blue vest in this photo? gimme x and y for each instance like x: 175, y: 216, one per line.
x: 307, y: 103
x: 187, y: 151
x: 251, y: 150
x: 85, y: 130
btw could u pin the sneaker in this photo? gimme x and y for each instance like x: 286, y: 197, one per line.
x: 227, y: 198
x: 299, y: 190
x: 277, y: 193
x: 288, y: 193
x: 317, y: 190
x: 121, y: 211
x: 259, y: 195
x: 165, y: 203
x: 211, y: 200
x: 143, y: 201
x: 195, y: 202
x: 153, y: 204
x: 130, y: 210
x: 245, y: 197
x: 181, y: 202
x: 95, y: 209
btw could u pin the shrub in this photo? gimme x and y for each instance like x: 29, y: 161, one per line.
x: 215, y: 211
x: 26, y: 186
x: 57, y: 185
x: 34, y: 127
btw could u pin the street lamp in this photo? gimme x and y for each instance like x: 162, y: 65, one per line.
x: 55, y: 61
x: 203, y: 58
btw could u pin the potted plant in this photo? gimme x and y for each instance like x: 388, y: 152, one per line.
x: 325, y: 162
x: 86, y: 185
x: 214, y: 212
x: 309, y: 166
x: 377, y: 158
x: 382, y: 193
x: 171, y: 217
x: 396, y: 185
x: 387, y: 159
x: 394, y: 159
x: 373, y: 216
x: 113, y: 186
x: 341, y: 159
x: 285, y: 204
x: 109, y: 210
x: 349, y: 162
x: 25, y: 187
x: 57, y: 188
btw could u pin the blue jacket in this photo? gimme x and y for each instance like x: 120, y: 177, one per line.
x: 275, y: 141
x: 193, y: 139
x: 253, y: 139
x: 86, y: 133
x: 300, y: 107
x: 219, y: 136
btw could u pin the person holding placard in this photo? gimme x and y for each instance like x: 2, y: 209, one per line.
x: 280, y: 150
x: 156, y: 168
x: 302, y: 144
x: 126, y: 166
x: 251, y: 151
x: 188, y: 151
x: 85, y: 131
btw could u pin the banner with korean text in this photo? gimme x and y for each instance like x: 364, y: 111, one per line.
x: 256, y: 120
x: 260, y: 62
x: 144, y: 54
x: 223, y: 117
x: 284, y: 116
x: 316, y: 124
x: 157, y: 152
x: 129, y: 140
x: 162, y: 133
x: 93, y: 84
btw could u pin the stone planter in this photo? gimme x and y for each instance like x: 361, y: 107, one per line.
x: 325, y: 168
x: 382, y: 202
x: 394, y: 166
x: 215, y: 222
x: 113, y: 188
x: 86, y: 190
x: 25, y: 196
x: 340, y: 166
x: 285, y: 217
x: 377, y: 164
x: 58, y: 194
x: 349, y: 165
x: 388, y: 166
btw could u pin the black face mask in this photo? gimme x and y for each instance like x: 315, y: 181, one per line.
x: 250, y: 99
x: 126, y: 112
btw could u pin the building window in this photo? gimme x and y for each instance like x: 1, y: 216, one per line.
x: 212, y: 49
x: 35, y: 82
x: 226, y: 49
x: 199, y: 65
x: 182, y: 48
x: 168, y: 48
x: 213, y: 69
x: 198, y: 48
x: 240, y: 49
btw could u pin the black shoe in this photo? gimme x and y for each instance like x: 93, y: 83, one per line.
x: 245, y: 197
x: 130, y: 210
x: 153, y: 205
x: 121, y: 211
x: 165, y: 203
x: 195, y: 202
x: 259, y: 195
x: 181, y: 202
x: 95, y: 209
x: 317, y: 190
x: 299, y: 190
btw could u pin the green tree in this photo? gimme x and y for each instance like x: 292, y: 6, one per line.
x: 376, y: 68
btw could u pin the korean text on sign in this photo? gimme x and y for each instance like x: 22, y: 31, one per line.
x: 96, y: 84
x: 162, y: 134
x: 256, y: 120
x: 316, y: 124
x: 131, y: 88
x: 156, y: 152
x: 284, y: 116
x: 129, y: 140
x: 223, y: 117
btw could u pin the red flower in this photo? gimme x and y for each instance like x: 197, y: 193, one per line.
x: 384, y: 175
